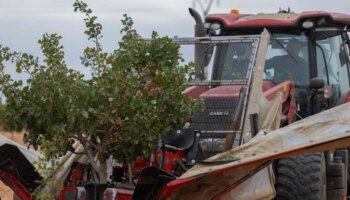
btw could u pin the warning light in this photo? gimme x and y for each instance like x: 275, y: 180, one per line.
x: 235, y: 11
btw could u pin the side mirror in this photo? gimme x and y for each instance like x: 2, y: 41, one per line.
x: 343, y: 56
x: 316, y: 83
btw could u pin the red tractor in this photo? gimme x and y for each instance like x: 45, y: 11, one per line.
x: 255, y: 74
x: 306, y: 58
x: 311, y: 49
x: 292, y: 65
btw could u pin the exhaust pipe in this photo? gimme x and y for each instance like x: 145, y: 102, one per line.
x: 197, y: 17
x: 199, y: 31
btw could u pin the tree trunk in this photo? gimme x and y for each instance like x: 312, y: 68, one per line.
x: 102, y: 172
x: 129, y: 172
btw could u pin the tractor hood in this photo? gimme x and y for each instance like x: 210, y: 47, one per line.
x: 220, y: 106
x: 231, y: 91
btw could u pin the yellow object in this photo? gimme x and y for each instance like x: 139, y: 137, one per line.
x: 235, y: 11
x: 285, y: 88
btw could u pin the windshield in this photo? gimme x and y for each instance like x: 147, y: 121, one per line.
x: 288, y: 59
x: 224, y: 59
x: 236, y: 60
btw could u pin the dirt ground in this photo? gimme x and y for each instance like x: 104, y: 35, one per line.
x: 5, y: 192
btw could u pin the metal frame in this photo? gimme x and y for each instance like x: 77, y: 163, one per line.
x: 214, y: 39
x: 247, y: 81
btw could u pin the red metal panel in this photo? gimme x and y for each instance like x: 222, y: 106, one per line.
x: 226, y: 19
x: 340, y: 18
x: 289, y: 105
x: 16, y: 186
x: 68, y: 193
x: 264, y: 23
x: 282, y: 87
x: 232, y: 21
x: 196, y: 91
x: 170, y: 157
x: 347, y: 98
x: 139, y: 165
x: 124, y: 194
x: 231, y: 91
x: 117, y: 194
x: 267, y: 85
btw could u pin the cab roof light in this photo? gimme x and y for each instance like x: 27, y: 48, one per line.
x: 235, y: 12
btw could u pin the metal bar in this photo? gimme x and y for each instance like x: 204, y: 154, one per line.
x: 212, y: 40
x: 246, y: 95
x: 220, y: 131
x: 216, y: 83
x: 254, y: 123
x: 216, y: 134
x: 255, y: 83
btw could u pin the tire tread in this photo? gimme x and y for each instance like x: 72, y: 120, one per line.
x: 300, y: 177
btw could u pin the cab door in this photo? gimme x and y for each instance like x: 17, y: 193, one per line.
x: 332, y: 58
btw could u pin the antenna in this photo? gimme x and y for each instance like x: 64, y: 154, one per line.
x: 285, y: 11
x: 204, y: 5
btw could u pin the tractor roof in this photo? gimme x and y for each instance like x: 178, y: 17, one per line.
x: 279, y: 20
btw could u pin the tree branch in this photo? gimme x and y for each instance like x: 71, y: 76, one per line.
x: 91, y: 157
x: 25, y: 67
x: 82, y: 139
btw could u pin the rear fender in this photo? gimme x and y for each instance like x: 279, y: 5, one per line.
x: 288, y: 98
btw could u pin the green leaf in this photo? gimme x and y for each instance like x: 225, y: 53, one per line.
x: 132, y: 98
x: 85, y: 114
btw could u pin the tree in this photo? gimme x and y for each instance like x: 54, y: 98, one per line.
x: 133, y: 97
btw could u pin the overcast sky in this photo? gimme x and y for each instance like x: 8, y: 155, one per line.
x: 23, y: 22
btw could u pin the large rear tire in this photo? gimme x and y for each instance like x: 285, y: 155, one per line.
x: 301, y: 177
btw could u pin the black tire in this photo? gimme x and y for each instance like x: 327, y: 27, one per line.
x: 301, y: 177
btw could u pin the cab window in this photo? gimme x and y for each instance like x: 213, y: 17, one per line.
x: 330, y: 57
x: 237, y: 58
x: 288, y: 59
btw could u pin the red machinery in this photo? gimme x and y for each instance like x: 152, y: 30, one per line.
x: 228, y: 119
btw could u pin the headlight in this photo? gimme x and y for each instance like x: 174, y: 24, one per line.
x: 308, y: 24
x: 215, y: 26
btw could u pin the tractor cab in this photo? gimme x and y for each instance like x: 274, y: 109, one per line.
x: 305, y: 57
x: 306, y: 48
